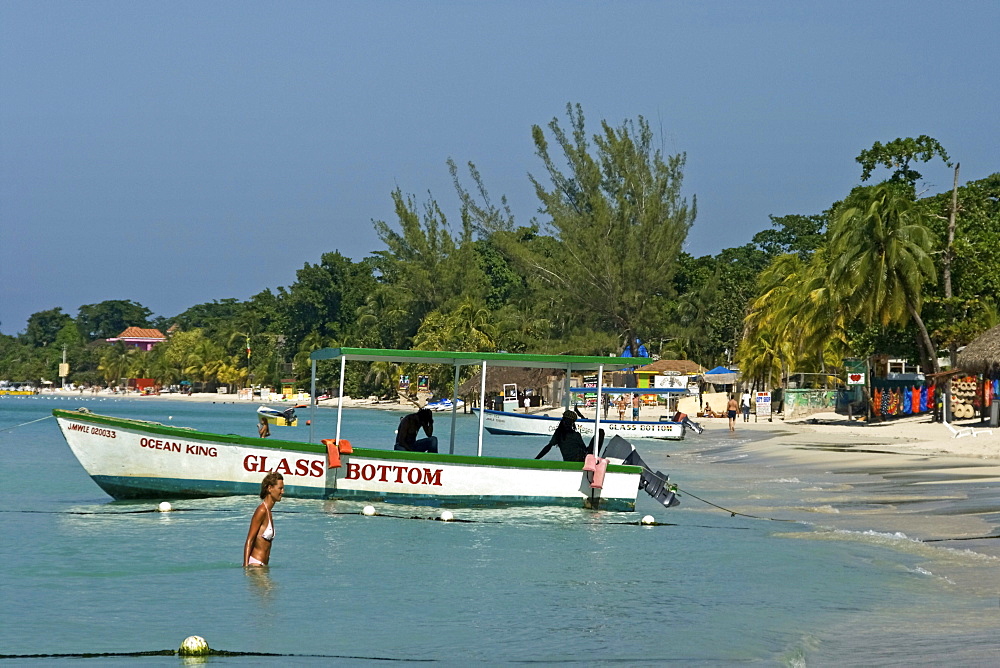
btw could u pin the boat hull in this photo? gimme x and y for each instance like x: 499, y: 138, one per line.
x: 503, y: 422
x: 131, y: 459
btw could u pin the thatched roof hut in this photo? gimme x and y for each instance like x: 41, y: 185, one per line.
x: 496, y: 377
x: 983, y: 354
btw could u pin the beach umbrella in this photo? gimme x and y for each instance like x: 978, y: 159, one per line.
x: 983, y: 354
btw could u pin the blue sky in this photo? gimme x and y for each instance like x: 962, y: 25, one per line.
x: 176, y: 153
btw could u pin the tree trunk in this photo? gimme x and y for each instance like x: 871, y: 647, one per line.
x: 948, y: 253
x: 925, y: 338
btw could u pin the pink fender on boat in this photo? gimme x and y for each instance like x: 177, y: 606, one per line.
x: 597, y: 466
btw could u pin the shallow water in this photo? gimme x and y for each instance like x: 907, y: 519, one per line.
x: 847, y: 581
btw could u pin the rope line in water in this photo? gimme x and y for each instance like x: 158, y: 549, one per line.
x: 27, y: 423
x: 941, y: 540
x: 733, y: 513
x: 437, y: 519
x: 211, y: 652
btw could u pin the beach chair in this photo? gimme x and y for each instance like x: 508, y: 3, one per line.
x: 958, y: 432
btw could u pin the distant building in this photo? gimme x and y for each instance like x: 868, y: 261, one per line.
x: 137, y: 337
x: 657, y: 373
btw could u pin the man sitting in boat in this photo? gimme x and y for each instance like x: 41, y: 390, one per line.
x: 410, y: 425
x: 568, y: 439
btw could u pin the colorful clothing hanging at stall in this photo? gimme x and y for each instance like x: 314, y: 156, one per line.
x: 904, y: 400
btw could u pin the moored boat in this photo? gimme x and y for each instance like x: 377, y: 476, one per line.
x: 138, y: 459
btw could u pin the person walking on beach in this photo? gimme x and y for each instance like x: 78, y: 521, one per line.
x: 635, y: 407
x: 620, y: 405
x: 745, y: 400
x: 410, y: 425
x: 257, y: 549
x: 731, y: 409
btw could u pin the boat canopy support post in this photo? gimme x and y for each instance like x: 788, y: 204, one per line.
x: 482, y: 408
x: 597, y: 418
x: 312, y: 400
x: 340, y: 395
x: 454, y: 410
x: 566, y: 386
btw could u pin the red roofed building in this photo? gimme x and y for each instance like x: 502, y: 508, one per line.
x: 140, y: 338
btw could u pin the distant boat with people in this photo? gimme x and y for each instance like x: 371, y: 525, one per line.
x: 672, y: 427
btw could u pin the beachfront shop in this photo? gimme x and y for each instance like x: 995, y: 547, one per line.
x: 980, y: 361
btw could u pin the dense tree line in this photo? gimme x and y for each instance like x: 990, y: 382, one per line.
x: 600, y: 269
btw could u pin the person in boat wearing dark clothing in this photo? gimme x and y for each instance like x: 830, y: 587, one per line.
x: 568, y: 439
x: 410, y: 425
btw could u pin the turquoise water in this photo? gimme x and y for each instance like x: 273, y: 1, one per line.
x: 847, y: 583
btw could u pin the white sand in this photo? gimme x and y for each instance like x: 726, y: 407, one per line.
x: 909, y: 435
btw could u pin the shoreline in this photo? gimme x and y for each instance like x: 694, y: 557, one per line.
x: 915, y: 435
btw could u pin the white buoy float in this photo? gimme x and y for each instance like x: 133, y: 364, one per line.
x: 165, y: 507
x: 368, y: 511
x: 648, y: 519
x: 194, y: 646
x: 446, y: 516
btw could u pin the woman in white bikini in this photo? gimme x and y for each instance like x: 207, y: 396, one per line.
x: 257, y: 549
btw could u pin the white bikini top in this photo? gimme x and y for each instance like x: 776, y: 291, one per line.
x: 268, y: 533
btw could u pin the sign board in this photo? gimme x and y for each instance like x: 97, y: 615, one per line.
x: 63, y: 369
x: 670, y: 382
x: 510, y: 391
x: 856, y: 378
x: 423, y: 383
x: 404, y: 382
x: 763, y: 400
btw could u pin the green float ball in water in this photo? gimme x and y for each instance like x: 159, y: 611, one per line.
x: 193, y: 646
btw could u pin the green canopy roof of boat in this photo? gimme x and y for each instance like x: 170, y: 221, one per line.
x: 571, y: 362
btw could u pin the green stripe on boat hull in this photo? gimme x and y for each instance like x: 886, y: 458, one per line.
x: 127, y: 488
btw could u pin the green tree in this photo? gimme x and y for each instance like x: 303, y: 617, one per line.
x: 426, y: 266
x: 324, y: 299
x: 44, y: 326
x: 792, y: 234
x: 108, y: 319
x: 881, y: 250
x: 897, y: 156
x: 620, y: 220
x: 113, y: 362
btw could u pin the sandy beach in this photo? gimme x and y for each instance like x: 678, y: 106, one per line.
x: 916, y: 435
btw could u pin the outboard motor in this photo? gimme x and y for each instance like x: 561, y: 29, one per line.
x: 656, y: 484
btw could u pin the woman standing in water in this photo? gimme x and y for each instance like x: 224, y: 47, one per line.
x: 257, y: 550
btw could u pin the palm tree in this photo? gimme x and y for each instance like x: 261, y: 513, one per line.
x: 113, y: 363
x: 881, y: 259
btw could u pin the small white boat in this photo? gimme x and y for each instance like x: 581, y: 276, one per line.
x: 508, y: 422
x: 281, y: 417
x: 503, y: 422
x: 138, y: 459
